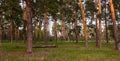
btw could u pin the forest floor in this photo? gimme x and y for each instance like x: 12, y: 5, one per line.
x: 65, y: 51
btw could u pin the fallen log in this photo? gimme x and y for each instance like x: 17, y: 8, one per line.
x: 46, y: 46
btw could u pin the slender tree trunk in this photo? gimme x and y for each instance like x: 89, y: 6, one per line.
x: 29, y: 28
x: 16, y: 34
x: 40, y: 25
x: 38, y: 34
x: 97, y: 32
x: 114, y: 25
x: 100, y: 26
x: 0, y: 35
x: 84, y: 24
x: 106, y: 31
x: 63, y: 28
x: 15, y: 29
x: 0, y: 32
x: 68, y: 36
x: 10, y: 31
x: 55, y: 34
x: 100, y: 34
x: 25, y: 33
x: 25, y: 24
x: 76, y: 29
x: 106, y: 24
x: 46, y: 31
x: 35, y: 31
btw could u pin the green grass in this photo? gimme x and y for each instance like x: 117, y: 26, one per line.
x: 66, y: 51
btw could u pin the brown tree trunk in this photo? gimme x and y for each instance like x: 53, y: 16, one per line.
x: 76, y: 29
x: 106, y: 24
x: 46, y: 31
x: 97, y: 32
x: 63, y: 28
x: 100, y: 34
x: 106, y: 31
x: 84, y: 24
x: 114, y: 25
x: 25, y: 33
x: 15, y: 29
x: 10, y: 31
x: 29, y: 27
x: 16, y: 34
x: 0, y: 35
x: 35, y: 32
x: 100, y: 26
x: 0, y: 32
x: 40, y: 25
x: 55, y: 34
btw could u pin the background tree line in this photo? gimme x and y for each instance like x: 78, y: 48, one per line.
x: 73, y: 20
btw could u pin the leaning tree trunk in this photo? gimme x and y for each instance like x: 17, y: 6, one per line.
x: 84, y: 24
x: 114, y: 25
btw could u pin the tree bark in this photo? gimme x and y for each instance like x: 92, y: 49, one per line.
x: 114, y: 25
x: 63, y: 28
x: 35, y: 32
x: 106, y: 25
x: 16, y: 34
x: 100, y: 34
x: 38, y: 34
x: 84, y: 24
x: 29, y: 28
x: 10, y: 31
x: 15, y: 29
x: 55, y: 34
x: 46, y: 31
x: 0, y: 32
x: 106, y: 31
x: 100, y: 26
x: 97, y: 32
x: 0, y: 35
x: 76, y: 29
